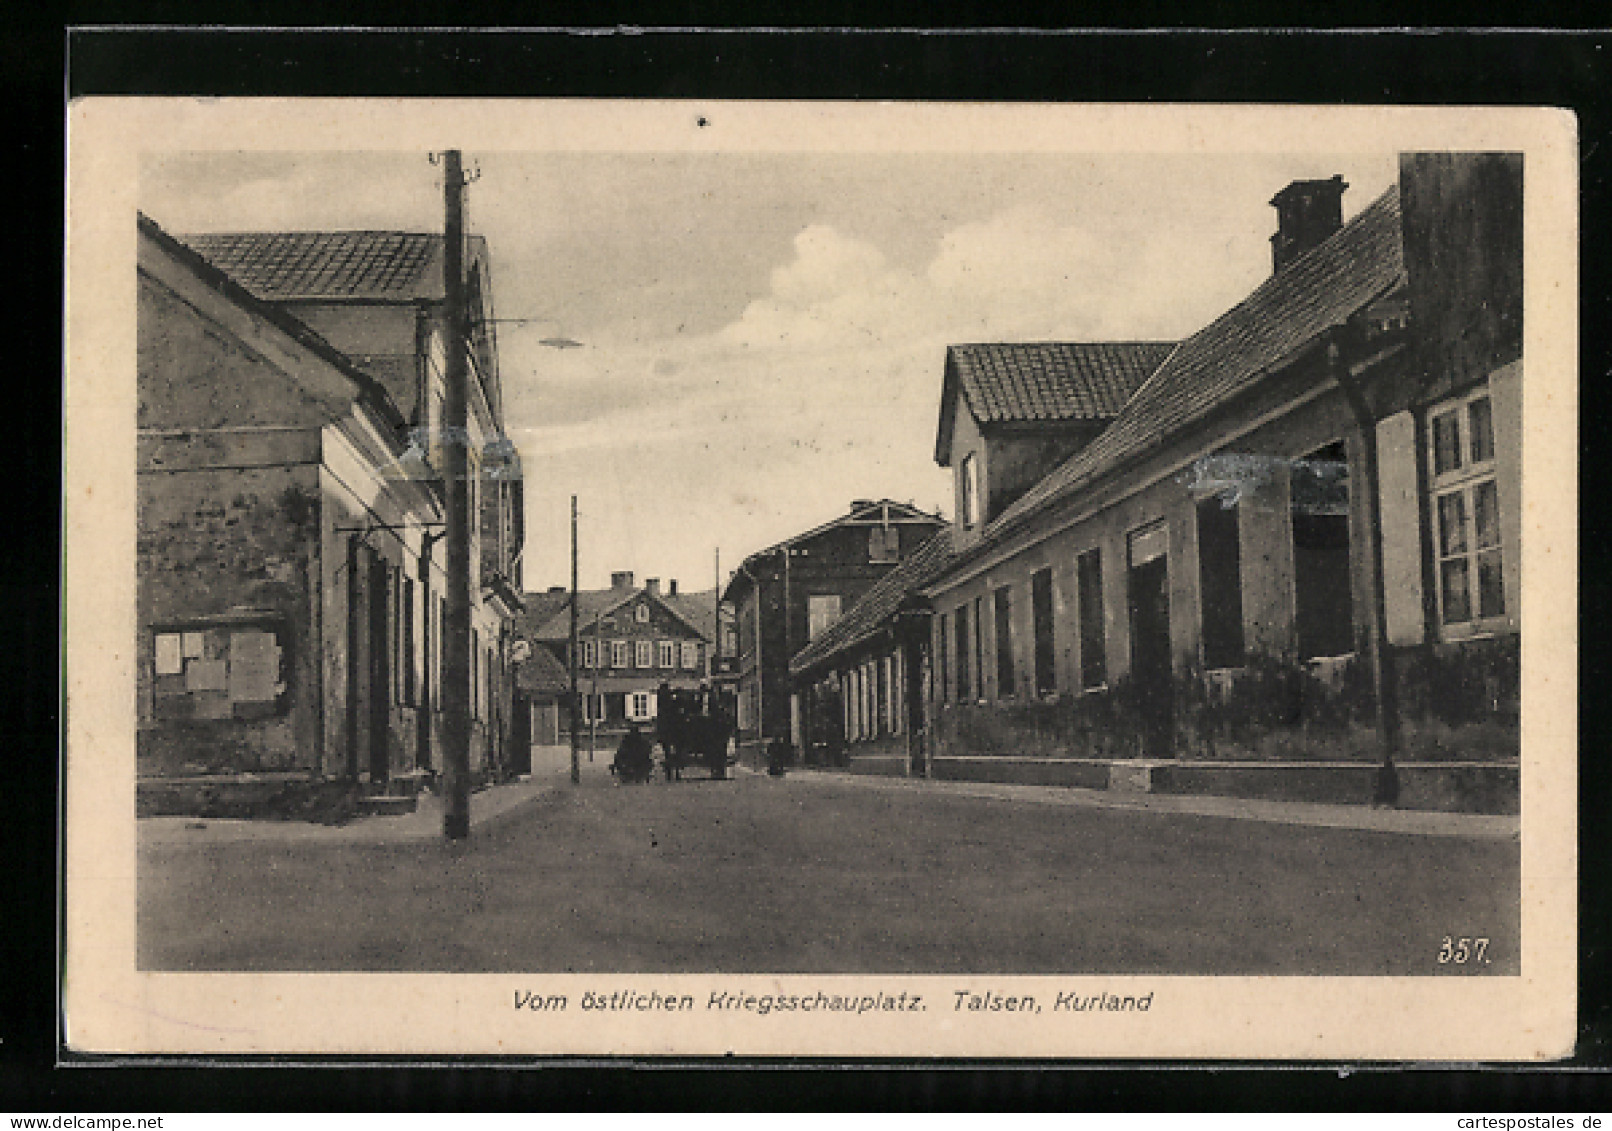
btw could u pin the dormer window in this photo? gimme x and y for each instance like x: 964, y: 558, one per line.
x: 970, y: 472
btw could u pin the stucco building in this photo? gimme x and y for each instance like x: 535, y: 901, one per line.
x: 1204, y: 572
x: 291, y: 572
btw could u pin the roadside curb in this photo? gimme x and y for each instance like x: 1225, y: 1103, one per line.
x: 1416, y: 822
x: 424, y: 824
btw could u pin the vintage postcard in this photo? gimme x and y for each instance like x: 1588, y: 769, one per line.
x: 579, y: 578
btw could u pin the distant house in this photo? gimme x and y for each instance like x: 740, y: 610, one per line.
x: 784, y: 596
x: 863, y: 681
x: 1210, y: 557
x: 631, y: 642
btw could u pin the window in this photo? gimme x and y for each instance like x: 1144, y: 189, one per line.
x: 979, y: 645
x: 970, y: 472
x: 691, y: 654
x: 406, y: 687
x: 1003, y: 601
x: 1046, y: 680
x: 218, y: 672
x: 641, y: 614
x: 618, y: 653
x: 822, y: 610
x: 964, y: 692
x: 640, y: 706
x: 1466, y: 513
x: 1093, y: 638
x: 1220, y: 584
x: 1323, y: 599
x: 884, y: 544
x: 667, y: 650
x: 644, y: 653
x: 590, y: 653
x: 475, y: 674
x: 943, y: 643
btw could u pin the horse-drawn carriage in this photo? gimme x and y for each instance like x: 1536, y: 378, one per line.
x: 694, y: 727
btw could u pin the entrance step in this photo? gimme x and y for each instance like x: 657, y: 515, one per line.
x: 385, y: 805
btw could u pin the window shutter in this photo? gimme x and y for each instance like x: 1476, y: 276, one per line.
x: 1505, y: 395
x: 1400, y: 516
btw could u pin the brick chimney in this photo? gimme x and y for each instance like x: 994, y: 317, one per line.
x: 1307, y: 212
x: 671, y: 587
x: 861, y: 504
x: 621, y: 579
x: 652, y: 586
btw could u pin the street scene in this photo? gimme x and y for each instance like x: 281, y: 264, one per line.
x: 830, y: 563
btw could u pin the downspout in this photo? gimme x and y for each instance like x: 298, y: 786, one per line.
x: 1384, y: 680
x: 428, y: 540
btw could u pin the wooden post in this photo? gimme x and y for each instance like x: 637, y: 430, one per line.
x: 456, y: 630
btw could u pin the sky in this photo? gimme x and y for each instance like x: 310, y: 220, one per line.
x: 763, y: 335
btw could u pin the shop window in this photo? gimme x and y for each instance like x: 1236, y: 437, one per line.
x: 218, y: 672
x: 1003, y: 602
x: 1093, y: 637
x: 1466, y: 514
x: 1220, y: 583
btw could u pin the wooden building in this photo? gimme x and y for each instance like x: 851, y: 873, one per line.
x: 784, y: 596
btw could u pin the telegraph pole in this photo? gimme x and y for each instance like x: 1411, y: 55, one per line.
x: 456, y: 630
x: 576, y: 737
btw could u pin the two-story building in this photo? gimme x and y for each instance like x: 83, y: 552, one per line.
x: 785, y: 595
x: 631, y: 642
x: 291, y: 572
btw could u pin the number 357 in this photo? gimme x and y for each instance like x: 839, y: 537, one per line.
x: 1461, y: 951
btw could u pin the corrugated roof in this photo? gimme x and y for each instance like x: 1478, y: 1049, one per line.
x: 280, y: 266
x: 1317, y: 292
x: 878, y: 604
x: 1022, y: 381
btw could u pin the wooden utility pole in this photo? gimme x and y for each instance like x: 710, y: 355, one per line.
x: 576, y: 737
x: 455, y: 442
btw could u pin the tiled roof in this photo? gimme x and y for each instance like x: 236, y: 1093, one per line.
x: 1007, y: 381
x: 1292, y: 308
x: 548, y: 615
x: 542, y: 671
x: 698, y: 608
x: 280, y: 266
x: 878, y: 604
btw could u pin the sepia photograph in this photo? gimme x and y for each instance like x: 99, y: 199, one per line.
x: 674, y: 578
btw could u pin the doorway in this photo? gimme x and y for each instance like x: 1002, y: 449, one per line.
x: 1149, y: 585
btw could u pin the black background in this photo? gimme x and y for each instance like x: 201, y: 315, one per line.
x: 42, y: 65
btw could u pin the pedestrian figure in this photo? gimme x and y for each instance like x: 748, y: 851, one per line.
x: 635, y: 759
